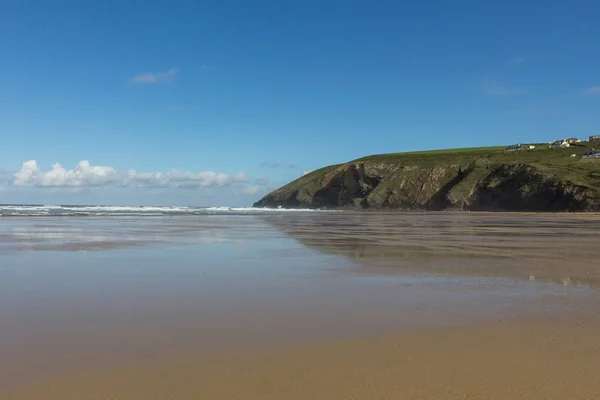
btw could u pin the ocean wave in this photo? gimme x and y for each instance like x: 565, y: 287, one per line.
x: 122, y: 211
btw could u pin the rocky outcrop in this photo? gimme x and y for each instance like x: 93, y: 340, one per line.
x: 447, y: 183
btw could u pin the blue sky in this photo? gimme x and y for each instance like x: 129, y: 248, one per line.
x: 270, y: 89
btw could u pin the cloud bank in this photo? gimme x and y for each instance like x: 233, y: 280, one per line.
x: 155, y: 77
x: 86, y: 175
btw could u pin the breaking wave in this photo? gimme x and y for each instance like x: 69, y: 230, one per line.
x: 78, y: 210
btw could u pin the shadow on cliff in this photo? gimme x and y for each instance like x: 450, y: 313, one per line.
x: 350, y: 187
x: 521, y: 188
x: 440, y: 201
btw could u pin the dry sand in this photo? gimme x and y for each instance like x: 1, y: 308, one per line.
x: 505, y: 360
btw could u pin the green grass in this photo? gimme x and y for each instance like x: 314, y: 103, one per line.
x: 459, y: 150
x: 478, y: 161
x: 412, y: 154
x: 556, y: 161
x: 545, y: 159
x: 321, y: 171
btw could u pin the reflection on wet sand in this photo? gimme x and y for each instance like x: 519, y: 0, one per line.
x: 226, y: 307
x: 106, y: 233
x: 556, y: 248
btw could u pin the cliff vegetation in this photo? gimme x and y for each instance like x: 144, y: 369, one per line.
x: 485, y: 179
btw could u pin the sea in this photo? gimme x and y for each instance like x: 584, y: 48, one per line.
x: 116, y: 210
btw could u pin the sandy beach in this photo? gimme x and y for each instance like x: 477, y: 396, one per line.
x: 319, y: 306
x: 299, y: 200
x: 517, y: 360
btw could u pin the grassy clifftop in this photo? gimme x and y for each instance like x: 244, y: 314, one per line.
x: 489, y: 178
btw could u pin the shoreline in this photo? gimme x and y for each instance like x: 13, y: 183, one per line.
x: 427, y: 211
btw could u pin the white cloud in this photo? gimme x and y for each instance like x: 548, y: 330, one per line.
x: 176, y: 178
x: 592, y: 90
x: 86, y: 175
x: 155, y: 77
x: 146, y: 179
x: 261, y: 181
x: 494, y: 87
x: 308, y: 171
x: 240, y: 177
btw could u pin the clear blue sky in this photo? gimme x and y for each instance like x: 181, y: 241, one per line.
x: 274, y: 88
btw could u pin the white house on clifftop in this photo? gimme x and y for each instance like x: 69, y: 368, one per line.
x: 559, y: 144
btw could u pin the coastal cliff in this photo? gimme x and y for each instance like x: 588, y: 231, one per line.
x: 463, y: 179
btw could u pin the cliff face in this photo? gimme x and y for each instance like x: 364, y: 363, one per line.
x: 464, y: 182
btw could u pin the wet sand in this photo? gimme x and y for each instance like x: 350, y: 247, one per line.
x: 555, y: 248
x: 329, y: 305
x: 524, y: 360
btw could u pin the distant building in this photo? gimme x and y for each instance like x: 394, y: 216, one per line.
x: 560, y: 144
x: 594, y: 137
x: 572, y: 140
x: 592, y: 154
x: 519, y: 146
